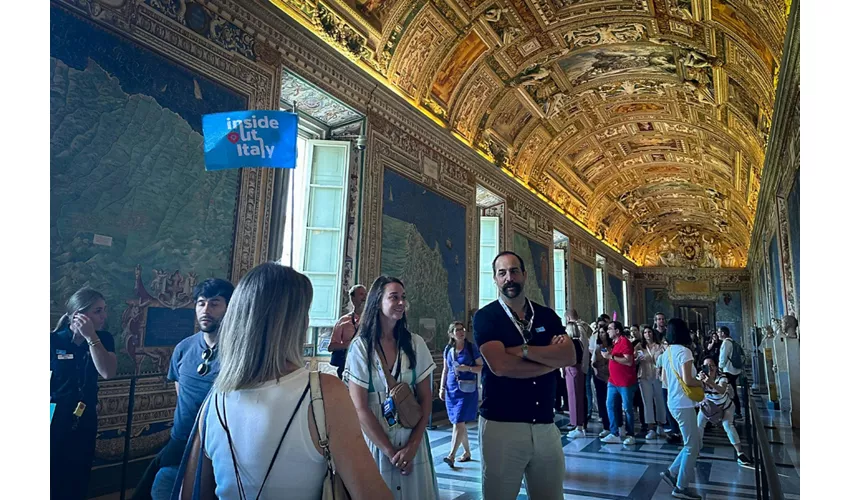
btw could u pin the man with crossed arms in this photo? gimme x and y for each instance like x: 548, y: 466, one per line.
x: 523, y: 343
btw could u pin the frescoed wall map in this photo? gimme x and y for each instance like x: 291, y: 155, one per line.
x: 584, y: 291
x: 126, y: 147
x: 423, y: 242
x: 537, y: 265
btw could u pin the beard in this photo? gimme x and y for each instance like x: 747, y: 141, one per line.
x: 211, y: 327
x: 511, y: 289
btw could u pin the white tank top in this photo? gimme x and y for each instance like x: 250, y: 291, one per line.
x: 256, y: 419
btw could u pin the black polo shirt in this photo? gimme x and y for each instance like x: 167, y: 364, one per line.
x: 507, y: 399
x: 74, y: 376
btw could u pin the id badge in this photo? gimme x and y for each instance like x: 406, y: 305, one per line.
x: 80, y: 409
x: 389, y: 412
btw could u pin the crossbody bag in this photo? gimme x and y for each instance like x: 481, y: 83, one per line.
x: 406, y: 406
x: 695, y: 394
x: 466, y: 386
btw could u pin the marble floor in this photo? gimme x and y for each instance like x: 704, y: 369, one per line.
x: 606, y: 471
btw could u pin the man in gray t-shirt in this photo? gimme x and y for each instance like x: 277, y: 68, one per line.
x: 193, y: 369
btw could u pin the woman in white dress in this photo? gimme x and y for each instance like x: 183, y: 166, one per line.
x: 403, y: 455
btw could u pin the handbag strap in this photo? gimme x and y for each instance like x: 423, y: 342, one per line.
x: 317, y: 401
x: 676, y: 372
x: 391, y: 381
x: 226, y: 428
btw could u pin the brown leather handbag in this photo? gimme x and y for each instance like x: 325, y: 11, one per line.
x: 407, y: 407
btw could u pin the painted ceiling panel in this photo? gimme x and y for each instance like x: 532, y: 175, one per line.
x: 646, y: 120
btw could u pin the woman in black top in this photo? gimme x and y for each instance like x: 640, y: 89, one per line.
x: 79, y: 352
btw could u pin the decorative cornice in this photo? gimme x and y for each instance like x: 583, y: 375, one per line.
x: 784, y: 123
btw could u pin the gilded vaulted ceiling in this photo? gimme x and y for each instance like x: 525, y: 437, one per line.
x: 645, y: 121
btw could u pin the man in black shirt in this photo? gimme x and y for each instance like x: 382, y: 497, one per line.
x: 522, y: 343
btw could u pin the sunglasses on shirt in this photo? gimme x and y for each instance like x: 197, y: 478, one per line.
x: 207, y: 356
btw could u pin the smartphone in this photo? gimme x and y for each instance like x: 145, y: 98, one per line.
x: 706, y: 369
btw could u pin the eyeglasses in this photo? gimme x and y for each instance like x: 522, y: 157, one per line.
x: 207, y: 356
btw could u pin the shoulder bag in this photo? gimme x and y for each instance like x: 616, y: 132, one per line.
x: 332, y: 487
x: 712, y: 411
x: 695, y: 394
x: 466, y: 386
x: 407, y: 407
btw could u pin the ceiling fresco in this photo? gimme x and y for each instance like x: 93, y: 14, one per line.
x: 644, y: 120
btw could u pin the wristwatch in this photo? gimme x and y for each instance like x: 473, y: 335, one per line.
x: 525, y: 351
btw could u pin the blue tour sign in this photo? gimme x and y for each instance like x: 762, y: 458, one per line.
x: 252, y: 138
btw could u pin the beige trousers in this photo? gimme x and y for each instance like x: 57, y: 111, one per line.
x: 511, y: 450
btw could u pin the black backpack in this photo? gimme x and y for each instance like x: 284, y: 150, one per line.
x: 737, y: 357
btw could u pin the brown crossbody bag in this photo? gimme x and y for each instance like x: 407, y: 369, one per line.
x: 407, y: 407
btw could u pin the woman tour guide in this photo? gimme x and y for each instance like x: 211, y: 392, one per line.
x: 80, y: 351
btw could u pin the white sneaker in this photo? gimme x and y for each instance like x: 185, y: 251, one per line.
x: 651, y: 435
x: 630, y: 440
x: 576, y: 433
x: 611, y: 439
x: 604, y: 433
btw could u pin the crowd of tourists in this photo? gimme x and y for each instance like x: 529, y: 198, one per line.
x: 252, y: 422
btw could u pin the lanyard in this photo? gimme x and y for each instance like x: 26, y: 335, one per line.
x: 521, y: 329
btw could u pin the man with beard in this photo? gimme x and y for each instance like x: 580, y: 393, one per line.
x: 193, y: 369
x: 523, y: 343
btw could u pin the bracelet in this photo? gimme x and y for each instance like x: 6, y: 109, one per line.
x: 96, y: 342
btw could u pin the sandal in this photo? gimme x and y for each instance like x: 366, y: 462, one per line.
x: 450, y: 460
x: 466, y: 457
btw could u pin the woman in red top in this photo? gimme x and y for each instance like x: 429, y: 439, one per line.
x: 622, y: 385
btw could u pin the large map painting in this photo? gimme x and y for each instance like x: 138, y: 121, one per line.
x: 127, y: 179
x: 423, y: 242
x: 776, y: 277
x: 657, y: 300
x: 537, y: 266
x: 584, y: 291
x: 614, y: 296
x: 729, y: 313
x: 794, y: 228
x: 128, y: 188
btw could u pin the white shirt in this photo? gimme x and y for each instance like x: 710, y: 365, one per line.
x: 725, y: 364
x: 257, y: 418
x: 672, y: 361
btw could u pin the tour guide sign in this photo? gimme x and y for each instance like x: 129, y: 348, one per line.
x: 252, y: 138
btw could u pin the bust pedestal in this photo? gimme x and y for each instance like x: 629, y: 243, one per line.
x: 792, y: 355
x: 783, y: 377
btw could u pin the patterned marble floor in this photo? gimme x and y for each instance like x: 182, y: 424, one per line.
x: 605, y: 471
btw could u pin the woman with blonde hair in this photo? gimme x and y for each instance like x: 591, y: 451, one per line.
x: 385, y: 345
x: 257, y: 435
x: 462, y: 363
x: 80, y: 351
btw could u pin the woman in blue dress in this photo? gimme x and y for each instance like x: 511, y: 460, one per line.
x: 459, y: 387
